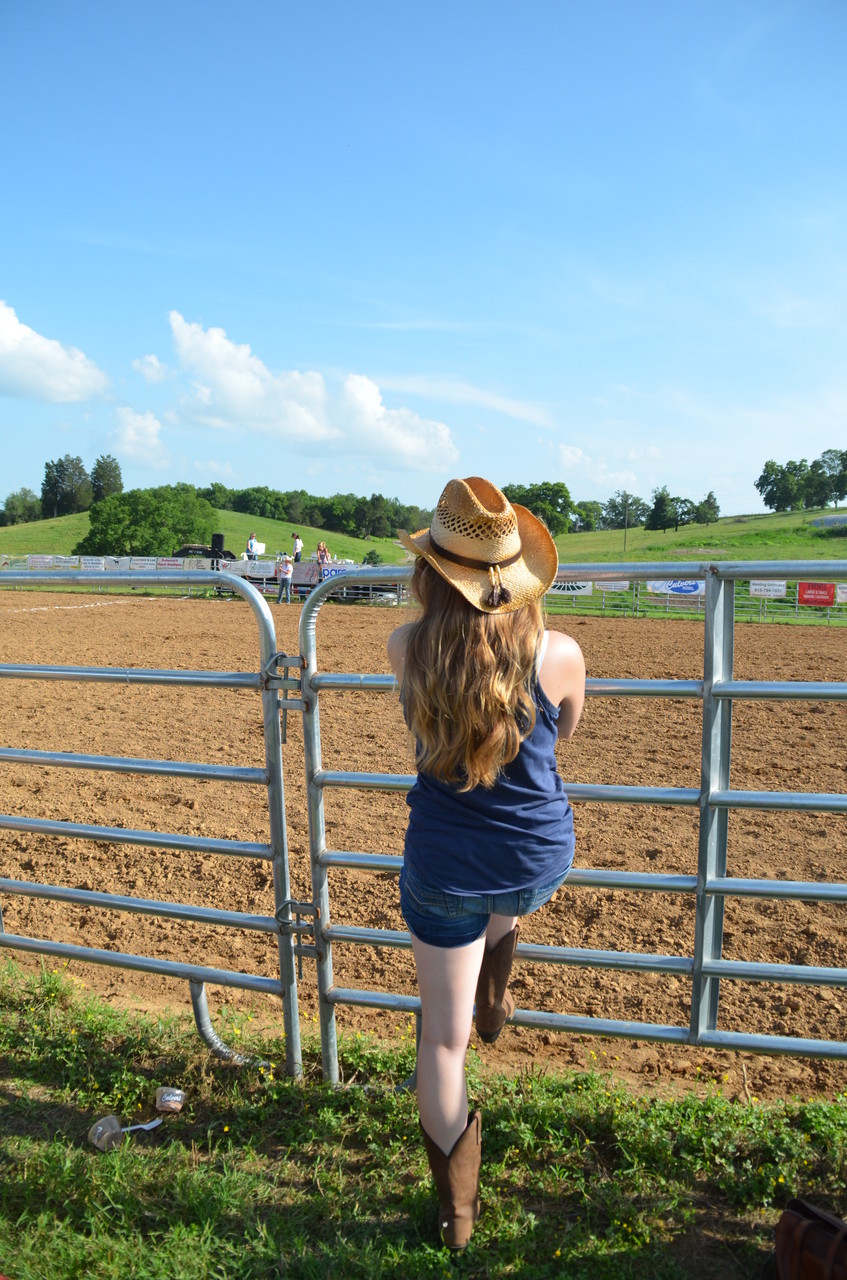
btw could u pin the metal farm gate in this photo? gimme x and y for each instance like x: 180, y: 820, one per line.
x: 267, y: 681
x: 308, y: 929
x: 713, y: 799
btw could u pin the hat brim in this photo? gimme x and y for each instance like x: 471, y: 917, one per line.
x: 526, y: 579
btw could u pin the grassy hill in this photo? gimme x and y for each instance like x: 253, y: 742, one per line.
x: 788, y: 536
x: 60, y: 536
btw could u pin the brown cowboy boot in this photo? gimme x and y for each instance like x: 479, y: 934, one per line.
x: 456, y: 1180
x: 493, y: 1002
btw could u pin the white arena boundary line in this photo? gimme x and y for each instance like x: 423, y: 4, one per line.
x: 96, y: 604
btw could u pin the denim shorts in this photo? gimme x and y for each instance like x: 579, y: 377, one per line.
x: 456, y: 920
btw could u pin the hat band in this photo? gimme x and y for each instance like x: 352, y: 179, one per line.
x: 467, y: 563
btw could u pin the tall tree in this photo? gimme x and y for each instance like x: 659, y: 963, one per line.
x: 586, y: 516
x: 550, y: 501
x: 782, y: 487
x: 106, y: 477
x: 20, y: 507
x: 624, y: 510
x: 707, y: 511
x: 148, y: 522
x: 663, y: 512
x: 66, y: 487
x: 834, y: 462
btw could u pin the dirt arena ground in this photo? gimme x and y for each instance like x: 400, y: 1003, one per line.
x: 777, y: 746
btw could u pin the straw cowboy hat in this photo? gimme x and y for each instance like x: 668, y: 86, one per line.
x: 496, y: 553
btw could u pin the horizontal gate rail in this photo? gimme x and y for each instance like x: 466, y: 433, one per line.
x: 128, y: 764
x: 714, y: 798
x: 268, y: 683
x: 147, y: 964
x: 124, y: 835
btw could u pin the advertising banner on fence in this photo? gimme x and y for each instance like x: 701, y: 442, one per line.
x: 39, y: 562
x: 142, y: 562
x: 819, y: 593
x: 766, y: 590
x: 677, y: 587
x: 562, y: 586
x: 621, y: 584
x: 91, y: 562
x: 841, y: 593
x: 168, y: 562
x: 66, y: 562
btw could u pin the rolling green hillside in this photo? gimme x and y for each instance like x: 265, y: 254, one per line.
x: 59, y: 537
x: 788, y: 536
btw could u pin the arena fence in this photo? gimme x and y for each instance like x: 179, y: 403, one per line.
x: 307, y: 929
x: 714, y: 799
x: 274, y: 688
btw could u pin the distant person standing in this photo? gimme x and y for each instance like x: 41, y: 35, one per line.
x: 286, y: 573
x: 298, y: 547
x: 252, y: 545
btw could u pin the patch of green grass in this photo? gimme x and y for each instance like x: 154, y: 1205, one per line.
x: 59, y: 537
x: 261, y: 1175
x: 784, y: 536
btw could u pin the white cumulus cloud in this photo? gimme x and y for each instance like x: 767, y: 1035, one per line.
x: 40, y: 368
x: 151, y: 368
x: 137, y: 437
x: 579, y: 467
x: 233, y: 389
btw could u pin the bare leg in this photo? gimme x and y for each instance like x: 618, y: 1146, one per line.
x: 498, y: 927
x: 447, y: 979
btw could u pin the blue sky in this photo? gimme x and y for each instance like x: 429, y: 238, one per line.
x: 367, y: 247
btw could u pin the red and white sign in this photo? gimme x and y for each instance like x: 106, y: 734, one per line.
x: 819, y: 593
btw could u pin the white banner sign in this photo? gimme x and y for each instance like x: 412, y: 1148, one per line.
x: 142, y: 562
x: 66, y: 562
x: 841, y: 593
x: 677, y: 587
x: 621, y: 585
x: 39, y: 562
x: 767, y: 590
x: 91, y: 562
x: 563, y: 587
x: 168, y: 562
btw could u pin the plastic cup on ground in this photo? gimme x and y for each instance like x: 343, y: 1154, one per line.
x: 169, y: 1099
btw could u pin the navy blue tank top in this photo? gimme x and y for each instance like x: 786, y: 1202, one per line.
x: 517, y: 835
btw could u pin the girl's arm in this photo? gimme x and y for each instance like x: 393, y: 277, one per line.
x: 397, y: 649
x: 562, y: 677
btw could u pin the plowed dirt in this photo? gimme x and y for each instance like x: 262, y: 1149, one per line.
x: 776, y: 746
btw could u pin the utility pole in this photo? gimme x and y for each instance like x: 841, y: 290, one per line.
x: 625, y: 520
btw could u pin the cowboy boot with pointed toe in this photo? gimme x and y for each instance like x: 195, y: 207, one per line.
x: 494, y: 1004
x: 456, y: 1179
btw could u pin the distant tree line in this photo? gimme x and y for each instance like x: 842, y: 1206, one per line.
x: 552, y: 503
x: 794, y: 486
x: 373, y: 517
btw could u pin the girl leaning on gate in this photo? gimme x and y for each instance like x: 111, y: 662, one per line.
x: 487, y: 692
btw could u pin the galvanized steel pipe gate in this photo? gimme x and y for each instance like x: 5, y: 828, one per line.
x: 713, y: 799
x: 269, y: 683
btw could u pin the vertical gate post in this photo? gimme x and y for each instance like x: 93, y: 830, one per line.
x: 714, y: 776
x: 281, y: 880
x: 317, y: 844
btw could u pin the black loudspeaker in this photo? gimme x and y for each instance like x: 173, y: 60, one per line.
x: 217, y: 546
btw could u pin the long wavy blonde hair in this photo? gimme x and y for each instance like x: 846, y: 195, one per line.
x: 467, y: 683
